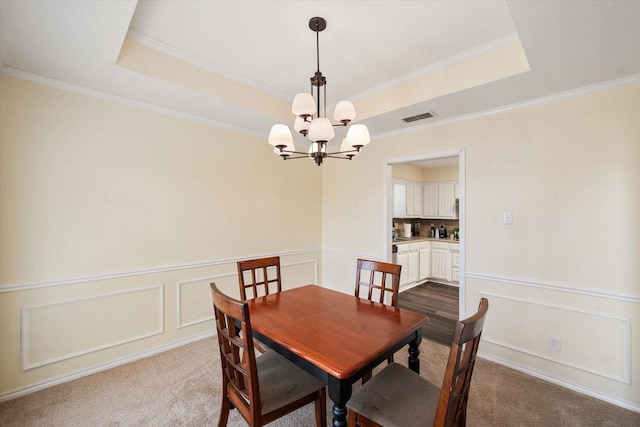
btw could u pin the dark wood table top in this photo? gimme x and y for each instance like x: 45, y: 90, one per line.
x: 336, y: 332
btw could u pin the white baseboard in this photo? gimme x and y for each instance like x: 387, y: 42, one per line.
x: 601, y: 396
x: 23, y: 391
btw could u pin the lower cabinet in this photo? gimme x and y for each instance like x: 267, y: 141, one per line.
x: 402, y: 258
x: 455, y: 262
x: 440, y: 261
x: 414, y: 267
x: 425, y: 260
x: 428, y: 259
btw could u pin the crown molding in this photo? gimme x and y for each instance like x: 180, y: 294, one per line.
x: 99, y: 94
x: 624, y: 81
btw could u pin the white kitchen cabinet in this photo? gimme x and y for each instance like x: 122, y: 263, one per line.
x: 447, y: 200
x: 430, y: 200
x: 413, y: 262
x: 440, y: 261
x: 402, y: 259
x: 407, y: 198
x: 408, y: 256
x: 439, y: 200
x: 425, y: 260
x: 399, y: 199
x: 454, y: 248
x: 414, y: 199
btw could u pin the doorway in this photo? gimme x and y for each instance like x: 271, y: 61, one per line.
x: 431, y: 160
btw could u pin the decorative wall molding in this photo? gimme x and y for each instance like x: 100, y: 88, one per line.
x: 209, y: 279
x: 519, y: 106
x: 625, y: 378
x: 586, y: 391
x: 179, y: 290
x: 200, y: 62
x: 449, y: 62
x: 26, y: 325
x: 350, y: 255
x: 119, y: 99
x: 559, y: 288
x: 8, y: 287
x: 95, y: 93
x: 23, y: 391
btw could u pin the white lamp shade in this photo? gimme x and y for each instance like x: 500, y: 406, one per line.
x: 358, y: 135
x: 346, y: 146
x: 303, y: 105
x: 345, y: 111
x: 301, y: 125
x: 280, y: 135
x: 321, y: 130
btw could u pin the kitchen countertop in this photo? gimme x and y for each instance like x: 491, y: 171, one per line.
x: 424, y: 239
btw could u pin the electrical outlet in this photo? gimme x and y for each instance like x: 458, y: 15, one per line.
x: 553, y: 343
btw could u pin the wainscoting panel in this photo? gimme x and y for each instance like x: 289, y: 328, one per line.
x: 194, y: 295
x: 535, y: 322
x: 294, y: 274
x: 62, y: 330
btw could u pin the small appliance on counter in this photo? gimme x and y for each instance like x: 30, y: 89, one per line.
x: 407, y: 230
x: 442, y: 231
x: 416, y: 229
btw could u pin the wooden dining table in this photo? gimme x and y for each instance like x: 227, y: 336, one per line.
x: 335, y: 336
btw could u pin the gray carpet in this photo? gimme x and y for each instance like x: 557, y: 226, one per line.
x: 181, y: 387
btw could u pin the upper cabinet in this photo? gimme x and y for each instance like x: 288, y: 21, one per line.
x: 407, y: 198
x: 414, y: 199
x: 399, y: 199
x: 439, y: 200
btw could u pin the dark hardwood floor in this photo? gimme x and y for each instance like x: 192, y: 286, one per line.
x: 440, y: 303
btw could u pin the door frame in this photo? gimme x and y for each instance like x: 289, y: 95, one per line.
x: 388, y: 210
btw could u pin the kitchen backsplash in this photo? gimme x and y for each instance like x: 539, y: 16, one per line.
x: 425, y: 225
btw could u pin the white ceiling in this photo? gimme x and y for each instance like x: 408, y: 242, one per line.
x: 367, y: 48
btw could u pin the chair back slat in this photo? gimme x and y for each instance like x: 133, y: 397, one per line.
x: 452, y: 404
x: 383, y: 282
x: 237, y: 354
x: 259, y: 277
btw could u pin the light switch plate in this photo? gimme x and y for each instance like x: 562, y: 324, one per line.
x: 508, y: 218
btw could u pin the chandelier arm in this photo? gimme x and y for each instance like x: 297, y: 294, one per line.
x: 300, y: 156
x: 338, y: 157
x: 354, y: 151
x: 304, y: 153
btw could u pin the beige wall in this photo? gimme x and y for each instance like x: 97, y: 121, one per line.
x: 445, y: 173
x: 567, y: 267
x: 114, y: 220
x: 406, y: 171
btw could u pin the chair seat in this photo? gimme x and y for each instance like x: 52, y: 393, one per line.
x: 397, y: 397
x: 282, y: 382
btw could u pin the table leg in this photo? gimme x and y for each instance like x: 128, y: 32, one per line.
x: 414, y: 352
x: 339, y: 393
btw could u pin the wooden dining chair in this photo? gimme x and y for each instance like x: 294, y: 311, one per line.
x: 382, y: 286
x: 265, y: 388
x: 397, y: 396
x: 259, y: 276
x: 383, y: 282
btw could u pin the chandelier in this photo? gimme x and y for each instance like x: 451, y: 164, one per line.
x: 318, y: 129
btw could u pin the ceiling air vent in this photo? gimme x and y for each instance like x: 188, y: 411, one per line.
x: 422, y: 116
